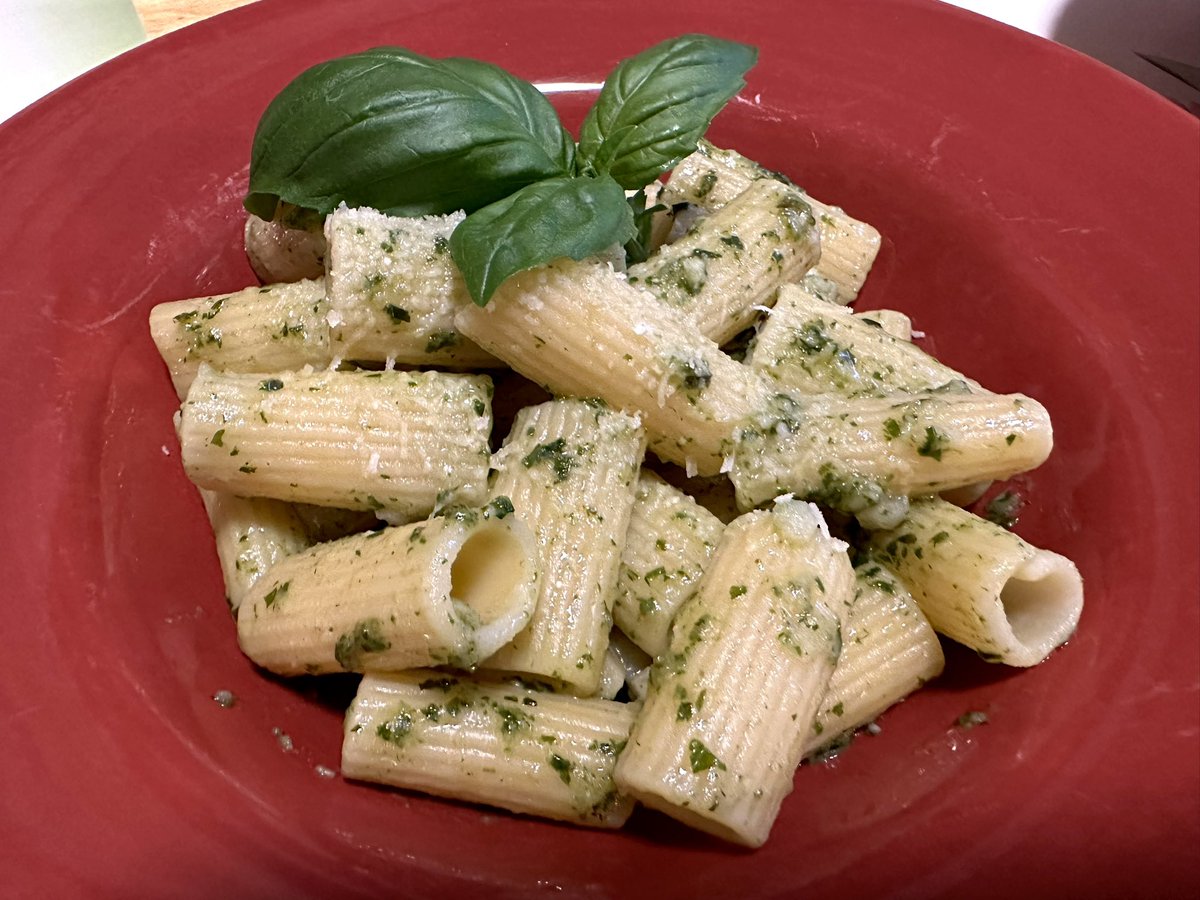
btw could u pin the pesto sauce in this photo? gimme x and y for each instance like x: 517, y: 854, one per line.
x: 365, y: 637
x: 555, y: 455
x: 441, y: 340
x: 701, y: 758
x: 397, y: 730
x: 276, y: 594
x: 692, y: 375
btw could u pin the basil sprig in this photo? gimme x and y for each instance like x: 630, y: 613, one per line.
x: 410, y: 135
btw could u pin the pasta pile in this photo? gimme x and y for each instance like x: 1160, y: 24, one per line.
x: 556, y: 627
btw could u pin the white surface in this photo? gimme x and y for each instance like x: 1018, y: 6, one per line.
x: 46, y: 43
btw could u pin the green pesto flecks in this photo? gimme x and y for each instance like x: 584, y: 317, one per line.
x: 555, y: 455
x: 498, y: 508
x: 934, y: 444
x: 276, y: 594
x: 562, y: 766
x: 1003, y: 509
x: 441, y: 340
x: 399, y: 728
x: 701, y: 758
x: 365, y: 637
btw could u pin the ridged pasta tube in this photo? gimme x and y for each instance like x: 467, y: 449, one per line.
x: 712, y: 177
x: 731, y: 703
x: 569, y: 468
x: 492, y: 742
x: 394, y: 290
x: 670, y: 540
x: 251, y: 535
x: 579, y: 329
x: 393, y: 442
x: 810, y: 346
x: 855, y: 454
x: 889, y: 650
x: 259, y: 329
x: 983, y: 586
x: 448, y: 591
x: 734, y: 260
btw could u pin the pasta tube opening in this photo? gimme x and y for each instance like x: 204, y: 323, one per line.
x: 489, y: 569
x: 1042, y: 602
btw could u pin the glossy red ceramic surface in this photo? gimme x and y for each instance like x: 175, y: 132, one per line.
x: 1042, y: 224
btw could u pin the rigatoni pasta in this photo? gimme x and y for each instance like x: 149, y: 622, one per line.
x: 581, y: 330
x: 730, y: 263
x: 670, y: 540
x: 276, y: 327
x: 569, y: 468
x: 251, y: 535
x: 393, y: 291
x: 739, y: 647
x: 712, y: 177
x: 398, y: 443
x: 493, y: 742
x: 733, y: 699
x: 810, y: 346
x: 983, y: 586
x: 889, y: 650
x: 448, y: 591
x: 858, y: 454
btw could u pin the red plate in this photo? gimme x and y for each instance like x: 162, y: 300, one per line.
x: 1041, y: 220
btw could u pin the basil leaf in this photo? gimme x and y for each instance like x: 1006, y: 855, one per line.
x: 637, y: 248
x: 405, y: 134
x: 574, y: 216
x: 655, y: 106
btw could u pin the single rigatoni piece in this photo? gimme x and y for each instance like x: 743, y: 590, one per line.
x: 855, y: 455
x: 810, y: 346
x: 497, y: 743
x: 712, y: 178
x: 889, y: 650
x: 731, y: 703
x: 259, y: 329
x: 981, y: 585
x: 734, y: 260
x: 252, y: 535
x: 394, y: 290
x: 569, y: 467
x: 579, y: 329
x: 670, y: 540
x: 398, y: 443
x: 448, y: 591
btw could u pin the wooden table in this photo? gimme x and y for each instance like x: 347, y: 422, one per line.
x: 161, y: 16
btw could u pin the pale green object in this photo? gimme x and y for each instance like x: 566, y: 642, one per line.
x: 46, y: 43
